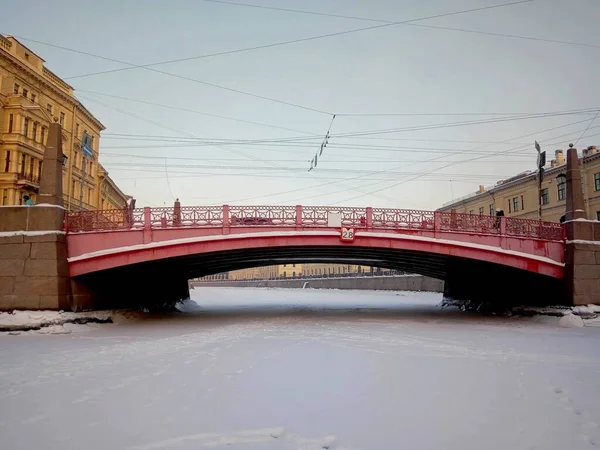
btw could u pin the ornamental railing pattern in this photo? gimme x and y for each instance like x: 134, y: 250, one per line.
x: 397, y: 220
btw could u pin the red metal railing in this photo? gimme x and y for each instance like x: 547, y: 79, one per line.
x: 309, y: 216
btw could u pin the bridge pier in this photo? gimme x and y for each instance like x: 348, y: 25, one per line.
x: 582, y: 249
x: 154, y: 286
x: 500, y: 286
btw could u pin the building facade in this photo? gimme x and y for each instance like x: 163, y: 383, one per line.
x: 520, y: 196
x: 31, y: 96
x: 287, y: 271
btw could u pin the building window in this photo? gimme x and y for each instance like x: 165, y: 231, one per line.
x: 522, y: 203
x: 492, y: 210
x: 33, y: 98
x: 40, y: 170
x: 43, y: 135
x: 16, y: 89
x: 76, y: 130
x: 562, y: 188
x: 49, y: 108
x: 515, y: 204
x: 61, y: 120
x: 31, y: 163
x: 24, y: 93
x: 597, y: 215
x: 22, y: 163
x: 10, y: 123
x: 481, y: 211
x: 7, y: 161
x: 26, y: 127
x: 597, y: 181
x: 471, y: 212
x: 34, y: 131
x: 545, y: 196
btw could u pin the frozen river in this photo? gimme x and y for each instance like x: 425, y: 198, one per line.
x: 304, y: 369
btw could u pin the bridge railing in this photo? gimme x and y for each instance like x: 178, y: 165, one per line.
x: 399, y: 220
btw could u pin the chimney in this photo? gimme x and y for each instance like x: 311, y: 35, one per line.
x: 553, y: 163
x: 592, y: 150
x: 481, y: 188
x: 560, y: 157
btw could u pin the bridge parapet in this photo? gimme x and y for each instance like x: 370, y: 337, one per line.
x: 396, y: 220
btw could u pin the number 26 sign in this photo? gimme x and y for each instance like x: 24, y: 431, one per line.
x: 347, y: 234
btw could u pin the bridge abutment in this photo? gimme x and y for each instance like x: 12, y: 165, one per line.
x: 582, y: 249
x: 34, y: 273
x: 152, y: 286
x: 500, y: 286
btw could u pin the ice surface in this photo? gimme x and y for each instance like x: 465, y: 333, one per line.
x: 276, y: 369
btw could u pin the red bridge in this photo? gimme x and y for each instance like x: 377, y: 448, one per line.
x: 170, y: 245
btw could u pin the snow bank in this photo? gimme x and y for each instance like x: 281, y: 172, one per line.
x: 60, y: 322
x: 571, y: 321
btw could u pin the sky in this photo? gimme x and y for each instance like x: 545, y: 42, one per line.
x: 424, y: 113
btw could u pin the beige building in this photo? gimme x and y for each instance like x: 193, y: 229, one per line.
x: 31, y: 96
x: 294, y: 271
x: 519, y: 196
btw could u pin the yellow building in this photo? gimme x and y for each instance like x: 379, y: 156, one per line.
x: 30, y: 97
x: 295, y: 271
x: 254, y: 273
x: 519, y: 196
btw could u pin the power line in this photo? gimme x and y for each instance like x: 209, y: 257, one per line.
x: 181, y: 77
x: 196, y: 112
x: 366, y: 19
x: 189, y: 134
x: 191, y: 158
x: 150, y: 66
x: 588, y: 127
x: 461, y: 162
x: 364, y: 133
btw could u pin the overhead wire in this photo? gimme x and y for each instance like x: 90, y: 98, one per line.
x: 366, y: 19
x: 459, y: 162
x: 149, y: 67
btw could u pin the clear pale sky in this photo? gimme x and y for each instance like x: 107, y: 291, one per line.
x: 398, y: 69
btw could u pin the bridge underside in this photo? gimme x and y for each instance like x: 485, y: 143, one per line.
x: 165, y: 281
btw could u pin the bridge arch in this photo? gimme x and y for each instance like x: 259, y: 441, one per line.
x: 390, y: 249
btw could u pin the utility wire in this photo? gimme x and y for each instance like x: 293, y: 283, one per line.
x: 150, y: 66
x: 587, y: 128
x: 461, y: 162
x: 366, y: 19
x: 196, y: 112
x: 376, y: 132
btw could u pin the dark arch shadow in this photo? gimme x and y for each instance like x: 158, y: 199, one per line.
x: 465, y: 278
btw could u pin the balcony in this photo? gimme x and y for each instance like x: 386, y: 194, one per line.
x: 28, y: 181
x: 16, y: 139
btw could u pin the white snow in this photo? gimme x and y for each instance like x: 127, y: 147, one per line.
x: 53, y: 322
x: 394, y: 236
x: 570, y: 321
x: 582, y: 241
x: 583, y: 220
x: 29, y: 233
x: 269, y: 369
